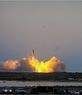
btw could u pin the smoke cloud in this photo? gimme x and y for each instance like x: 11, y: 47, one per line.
x: 31, y: 63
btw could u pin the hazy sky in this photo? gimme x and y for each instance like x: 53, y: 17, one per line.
x: 50, y: 28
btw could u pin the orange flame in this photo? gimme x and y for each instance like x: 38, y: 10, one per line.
x: 10, y: 64
x: 48, y: 66
x: 52, y: 65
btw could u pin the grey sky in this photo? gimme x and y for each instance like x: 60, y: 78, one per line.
x: 51, y: 28
x: 40, y: 0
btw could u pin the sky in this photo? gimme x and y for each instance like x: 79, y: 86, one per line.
x: 40, y: 0
x: 50, y: 28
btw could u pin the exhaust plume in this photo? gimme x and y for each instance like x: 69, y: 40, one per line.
x: 47, y: 66
x: 11, y: 64
x: 31, y: 63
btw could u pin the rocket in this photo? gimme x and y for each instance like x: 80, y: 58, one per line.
x: 33, y: 52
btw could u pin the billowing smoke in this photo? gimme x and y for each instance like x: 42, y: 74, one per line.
x: 11, y: 64
x: 15, y: 65
x: 31, y: 63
